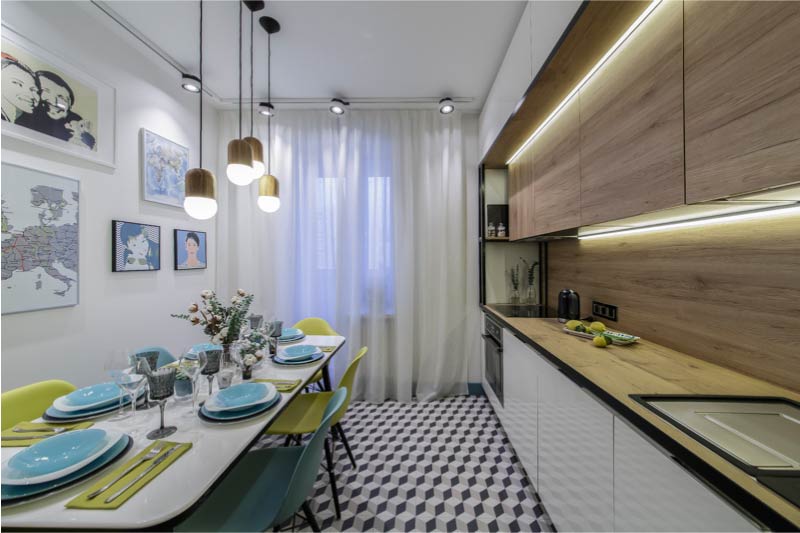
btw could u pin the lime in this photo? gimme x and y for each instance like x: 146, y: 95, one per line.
x: 600, y: 341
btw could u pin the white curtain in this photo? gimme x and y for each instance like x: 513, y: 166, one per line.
x: 371, y: 236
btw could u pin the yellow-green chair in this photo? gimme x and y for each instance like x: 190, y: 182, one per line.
x: 315, y: 326
x: 304, y: 413
x: 29, y: 402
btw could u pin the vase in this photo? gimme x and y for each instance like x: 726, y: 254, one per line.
x: 247, y: 372
x: 531, y: 295
x: 514, y: 296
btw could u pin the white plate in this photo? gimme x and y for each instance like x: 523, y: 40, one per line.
x: 89, y: 397
x: 212, y: 405
x: 12, y: 476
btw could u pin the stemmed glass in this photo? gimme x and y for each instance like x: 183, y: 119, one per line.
x: 213, y: 359
x: 117, y: 366
x: 145, y: 363
x: 132, y: 382
x: 192, y: 364
x: 162, y: 386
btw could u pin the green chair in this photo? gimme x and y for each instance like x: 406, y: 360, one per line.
x: 303, y: 414
x: 267, y: 487
x: 316, y: 326
x: 29, y: 402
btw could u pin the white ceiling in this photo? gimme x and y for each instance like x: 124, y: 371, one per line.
x: 357, y: 49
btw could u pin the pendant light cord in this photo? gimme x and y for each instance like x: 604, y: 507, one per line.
x: 201, y: 84
x: 251, y: 73
x: 240, y: 68
x: 269, y: 101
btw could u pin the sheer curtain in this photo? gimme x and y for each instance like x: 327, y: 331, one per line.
x: 371, y: 235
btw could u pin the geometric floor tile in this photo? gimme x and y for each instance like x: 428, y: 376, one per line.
x: 444, y: 465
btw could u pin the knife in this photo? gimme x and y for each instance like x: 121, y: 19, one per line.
x: 149, y: 469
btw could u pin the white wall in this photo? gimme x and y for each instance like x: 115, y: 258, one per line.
x: 116, y: 310
x: 470, y: 136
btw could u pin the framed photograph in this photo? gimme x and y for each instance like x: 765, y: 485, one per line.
x: 135, y: 246
x: 40, y: 240
x: 48, y: 102
x: 164, y: 165
x: 191, y: 250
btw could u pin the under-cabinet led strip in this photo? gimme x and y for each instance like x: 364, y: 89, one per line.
x: 705, y: 221
x: 574, y: 91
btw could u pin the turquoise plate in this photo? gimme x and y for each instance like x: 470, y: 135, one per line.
x: 12, y: 494
x: 55, y: 415
x: 291, y: 334
x: 241, y: 396
x: 298, y: 352
x: 234, y: 416
x: 89, y: 397
x: 281, y: 361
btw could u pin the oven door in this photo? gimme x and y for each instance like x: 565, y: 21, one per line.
x: 494, y: 366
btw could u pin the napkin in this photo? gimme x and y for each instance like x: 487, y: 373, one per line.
x: 326, y: 349
x: 99, y: 502
x: 35, y: 437
x: 283, y: 385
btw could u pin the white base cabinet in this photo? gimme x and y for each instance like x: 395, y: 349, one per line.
x: 653, y: 493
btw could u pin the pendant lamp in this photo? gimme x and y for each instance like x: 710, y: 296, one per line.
x: 269, y: 199
x: 240, y: 169
x: 255, y: 144
x: 200, y: 200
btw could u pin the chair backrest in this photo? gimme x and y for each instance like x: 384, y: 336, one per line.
x: 347, y: 383
x: 29, y: 402
x: 305, y: 473
x: 205, y: 347
x: 315, y: 326
x: 164, y: 357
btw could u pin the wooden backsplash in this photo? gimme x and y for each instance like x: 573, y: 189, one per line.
x: 729, y: 293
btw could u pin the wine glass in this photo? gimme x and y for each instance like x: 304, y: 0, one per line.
x: 192, y: 364
x: 213, y: 359
x: 132, y: 382
x: 116, y: 367
x: 162, y: 386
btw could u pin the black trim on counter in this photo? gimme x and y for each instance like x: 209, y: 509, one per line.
x: 737, y: 496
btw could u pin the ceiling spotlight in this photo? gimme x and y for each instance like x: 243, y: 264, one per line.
x: 338, y: 106
x: 191, y: 83
x: 446, y: 106
x: 266, y: 109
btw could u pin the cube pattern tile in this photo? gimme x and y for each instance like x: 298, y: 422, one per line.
x: 445, y: 465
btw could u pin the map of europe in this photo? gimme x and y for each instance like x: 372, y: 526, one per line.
x: 39, y: 240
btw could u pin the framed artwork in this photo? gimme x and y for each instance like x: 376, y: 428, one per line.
x: 50, y: 103
x: 191, y: 249
x: 39, y: 240
x: 135, y: 246
x: 164, y: 165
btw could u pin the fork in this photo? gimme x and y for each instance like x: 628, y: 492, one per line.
x: 154, y: 451
x: 54, y: 431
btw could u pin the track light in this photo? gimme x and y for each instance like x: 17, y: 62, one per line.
x: 446, y: 106
x: 190, y: 83
x: 338, y: 106
x: 266, y: 109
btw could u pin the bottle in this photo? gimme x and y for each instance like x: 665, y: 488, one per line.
x: 491, y: 231
x: 501, y: 230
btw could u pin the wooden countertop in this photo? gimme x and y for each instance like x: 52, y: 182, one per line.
x: 649, y: 368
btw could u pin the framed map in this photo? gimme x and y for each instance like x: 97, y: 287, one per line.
x: 164, y: 164
x: 39, y: 240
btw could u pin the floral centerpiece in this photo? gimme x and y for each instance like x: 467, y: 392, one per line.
x: 222, y: 323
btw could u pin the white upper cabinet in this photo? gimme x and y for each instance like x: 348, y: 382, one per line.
x: 509, y: 86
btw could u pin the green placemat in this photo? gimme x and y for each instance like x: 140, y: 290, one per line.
x: 99, y: 502
x: 10, y: 438
x: 327, y: 349
x: 283, y: 385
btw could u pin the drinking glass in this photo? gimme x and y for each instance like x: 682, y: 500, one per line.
x: 146, y: 362
x: 192, y: 364
x: 213, y: 359
x: 162, y: 386
x: 115, y: 366
x: 131, y: 382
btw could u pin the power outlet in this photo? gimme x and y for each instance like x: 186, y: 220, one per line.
x: 604, y: 310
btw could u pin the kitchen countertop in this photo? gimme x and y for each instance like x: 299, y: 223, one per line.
x: 649, y: 368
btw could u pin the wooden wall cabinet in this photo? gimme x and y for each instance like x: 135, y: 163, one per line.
x: 631, y: 114
x: 557, y: 173
x: 521, y: 197
x: 742, y: 84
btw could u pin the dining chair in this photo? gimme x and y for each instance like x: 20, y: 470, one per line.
x: 316, y: 326
x: 267, y: 487
x: 303, y: 414
x: 164, y: 357
x: 29, y: 402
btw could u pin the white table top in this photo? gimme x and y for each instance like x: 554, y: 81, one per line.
x: 215, y: 448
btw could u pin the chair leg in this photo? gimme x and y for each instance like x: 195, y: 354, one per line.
x: 338, y: 428
x: 288, y: 440
x: 310, y: 517
x: 332, y: 476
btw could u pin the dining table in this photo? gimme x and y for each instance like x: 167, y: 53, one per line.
x: 171, y: 496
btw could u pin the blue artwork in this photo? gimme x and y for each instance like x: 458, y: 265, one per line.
x: 135, y: 246
x: 190, y: 249
x: 164, y: 164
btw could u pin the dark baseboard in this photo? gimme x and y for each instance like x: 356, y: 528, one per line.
x: 475, y: 389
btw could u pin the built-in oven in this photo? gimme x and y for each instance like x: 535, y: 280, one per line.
x: 493, y: 350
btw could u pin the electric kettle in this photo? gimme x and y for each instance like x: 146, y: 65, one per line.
x: 569, y: 305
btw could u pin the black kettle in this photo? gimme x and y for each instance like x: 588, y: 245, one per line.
x: 569, y: 305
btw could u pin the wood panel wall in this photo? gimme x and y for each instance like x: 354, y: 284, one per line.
x: 727, y: 293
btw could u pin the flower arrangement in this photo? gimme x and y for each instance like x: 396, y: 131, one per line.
x: 252, y: 344
x: 220, y: 322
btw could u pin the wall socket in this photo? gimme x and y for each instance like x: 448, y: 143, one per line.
x: 608, y: 311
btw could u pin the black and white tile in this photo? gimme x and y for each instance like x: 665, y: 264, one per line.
x: 444, y: 465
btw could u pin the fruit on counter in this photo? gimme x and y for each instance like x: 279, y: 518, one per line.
x: 572, y: 324
x: 601, y: 341
x: 598, y: 327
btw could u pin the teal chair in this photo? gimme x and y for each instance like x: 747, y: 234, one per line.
x: 204, y: 347
x: 164, y: 357
x: 267, y: 487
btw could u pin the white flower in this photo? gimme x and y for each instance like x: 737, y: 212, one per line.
x: 235, y: 300
x: 193, y: 308
x: 241, y: 292
x: 250, y: 359
x: 206, y: 294
x: 216, y: 339
x: 223, y: 332
x: 194, y: 319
